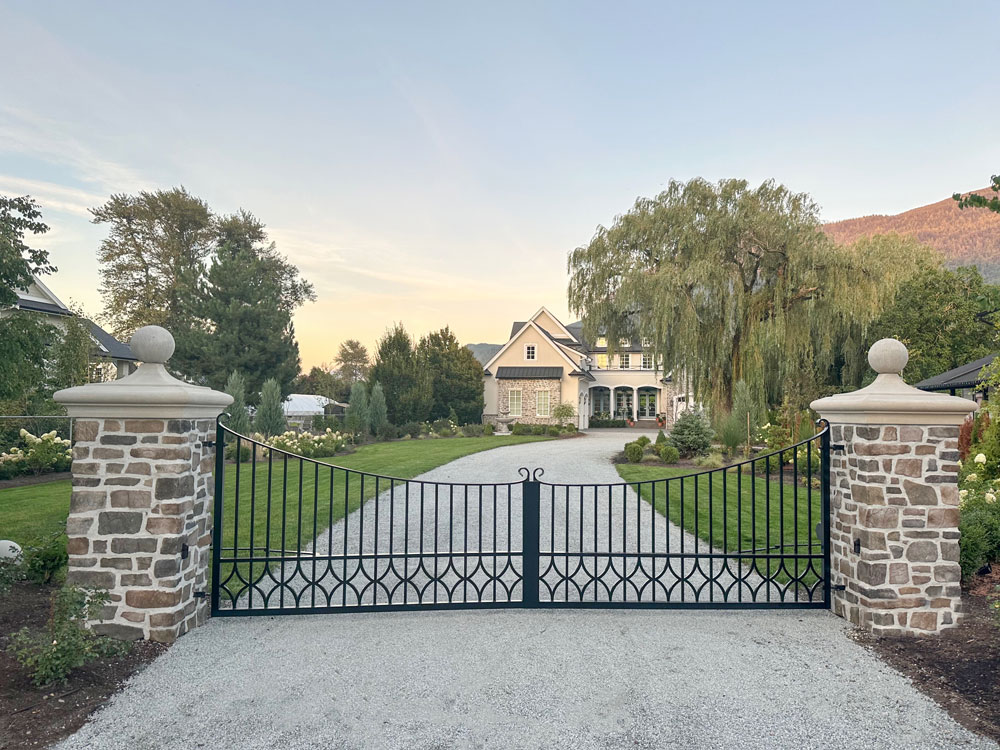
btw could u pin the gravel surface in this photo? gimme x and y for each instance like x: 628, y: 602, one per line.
x: 595, y: 541
x: 523, y: 678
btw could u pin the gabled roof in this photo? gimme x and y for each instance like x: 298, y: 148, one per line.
x: 109, y: 345
x: 965, y: 376
x: 558, y: 322
x: 544, y: 335
x: 515, y: 327
x: 483, y: 352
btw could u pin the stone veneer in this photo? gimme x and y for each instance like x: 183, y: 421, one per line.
x: 529, y: 387
x: 140, y: 522
x: 894, y: 494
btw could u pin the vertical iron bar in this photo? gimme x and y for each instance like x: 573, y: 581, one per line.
x: 375, y: 547
x: 530, y: 509
x: 739, y: 529
x: 767, y: 522
x: 683, y: 534
x: 437, y: 526
x: 220, y: 465
x: 253, y: 505
x: 347, y: 514
x: 236, y: 512
x: 795, y: 516
x: 329, y: 541
x: 725, y: 526
x: 781, y: 515
x: 392, y: 534
x: 267, y: 528
x: 825, y: 479
x: 284, y: 517
x: 315, y: 528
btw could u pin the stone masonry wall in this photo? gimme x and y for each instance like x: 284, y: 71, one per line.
x: 141, y: 491
x: 529, y: 388
x: 894, y: 492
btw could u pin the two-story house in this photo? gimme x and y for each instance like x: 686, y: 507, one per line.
x: 545, y: 363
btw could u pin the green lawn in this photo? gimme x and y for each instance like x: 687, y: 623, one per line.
x: 35, y: 511
x: 733, y: 512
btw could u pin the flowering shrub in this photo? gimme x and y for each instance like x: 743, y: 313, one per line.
x: 40, y: 454
x: 980, y: 516
x: 309, y: 445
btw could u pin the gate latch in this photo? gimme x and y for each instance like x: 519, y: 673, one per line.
x: 207, y: 443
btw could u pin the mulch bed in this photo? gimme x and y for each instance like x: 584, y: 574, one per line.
x: 959, y: 669
x: 29, y: 479
x: 32, y: 717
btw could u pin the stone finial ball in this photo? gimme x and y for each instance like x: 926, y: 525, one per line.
x: 888, y: 356
x: 152, y: 344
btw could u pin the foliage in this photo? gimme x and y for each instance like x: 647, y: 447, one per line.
x: 239, y: 417
x: 553, y: 430
x: 352, y: 359
x: 488, y: 429
x: 270, y: 417
x: 386, y: 432
x: 691, y: 434
x: 456, y: 377
x: 595, y: 422
x: 18, y: 261
x: 321, y: 422
x: 377, y: 411
x: 309, y: 445
x: 633, y: 452
x: 643, y: 441
x: 444, y: 427
x: 473, y: 430
x: 710, y: 461
x: 413, y: 429
x: 323, y: 381
x: 661, y: 438
x: 563, y: 412
x: 41, y: 560
x: 979, y: 522
x: 242, y: 315
x: 356, y: 419
x: 404, y: 376
x: 946, y: 319
x: 66, y: 643
x: 731, y: 282
x: 518, y: 428
x: 71, y: 354
x: 40, y: 454
x: 668, y: 453
x: 975, y: 200
x: 152, y: 259
x: 747, y: 410
x: 24, y: 343
x: 731, y: 431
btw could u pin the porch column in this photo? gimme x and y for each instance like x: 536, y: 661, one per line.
x: 635, y: 404
x: 140, y: 514
x: 894, y: 501
x: 611, y: 403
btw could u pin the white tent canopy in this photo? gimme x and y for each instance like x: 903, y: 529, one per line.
x: 305, y: 405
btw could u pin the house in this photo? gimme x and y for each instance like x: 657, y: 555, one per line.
x: 966, y: 380
x: 545, y: 363
x: 39, y: 299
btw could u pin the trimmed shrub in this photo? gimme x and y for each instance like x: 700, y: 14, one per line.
x: 643, y: 441
x: 538, y: 429
x: 387, y: 432
x: 520, y: 429
x: 554, y: 430
x: 570, y: 428
x: 488, y: 429
x: 443, y: 427
x: 661, y: 439
x: 413, y: 429
x: 633, y: 452
x: 668, y: 453
x: 607, y: 423
x: 691, y: 434
x: 710, y: 461
x: 472, y: 430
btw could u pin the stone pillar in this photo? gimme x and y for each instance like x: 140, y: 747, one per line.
x: 140, y: 516
x: 894, y: 501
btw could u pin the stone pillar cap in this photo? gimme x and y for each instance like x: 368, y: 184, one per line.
x: 889, y: 400
x: 150, y: 391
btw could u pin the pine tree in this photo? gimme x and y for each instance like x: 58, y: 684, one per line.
x: 239, y: 417
x: 404, y: 377
x: 270, y: 419
x: 378, y: 416
x: 356, y: 419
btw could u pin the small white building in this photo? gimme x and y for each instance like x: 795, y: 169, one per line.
x: 300, y: 408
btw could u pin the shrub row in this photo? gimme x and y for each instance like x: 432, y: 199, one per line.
x: 553, y: 430
x: 36, y: 455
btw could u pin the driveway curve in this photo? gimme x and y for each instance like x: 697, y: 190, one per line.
x: 523, y: 678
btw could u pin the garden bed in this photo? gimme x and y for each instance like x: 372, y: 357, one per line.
x: 31, y: 479
x: 35, y: 717
x: 959, y: 668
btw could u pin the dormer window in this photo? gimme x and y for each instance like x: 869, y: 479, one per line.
x: 647, y: 342
x: 602, y: 342
x: 529, y: 352
x: 625, y: 343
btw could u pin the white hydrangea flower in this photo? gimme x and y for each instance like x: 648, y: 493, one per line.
x: 972, y: 477
x: 980, y: 458
x: 963, y: 494
x: 990, y: 497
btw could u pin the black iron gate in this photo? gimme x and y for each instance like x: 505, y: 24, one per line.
x: 297, y: 535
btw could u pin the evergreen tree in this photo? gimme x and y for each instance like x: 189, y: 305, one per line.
x: 244, y: 311
x: 356, y: 419
x: 378, y: 416
x: 456, y: 377
x: 239, y: 417
x: 404, y: 377
x: 270, y: 419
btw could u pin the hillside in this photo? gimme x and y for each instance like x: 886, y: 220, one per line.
x: 964, y: 237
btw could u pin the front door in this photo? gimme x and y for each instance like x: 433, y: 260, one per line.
x: 647, y: 405
x: 623, y: 404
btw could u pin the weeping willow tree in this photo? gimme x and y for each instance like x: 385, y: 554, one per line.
x: 728, y: 282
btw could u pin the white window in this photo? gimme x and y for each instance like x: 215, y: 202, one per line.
x: 515, y: 402
x: 624, y: 361
x: 647, y: 361
x: 529, y: 351
x: 646, y: 341
x: 542, y: 404
x: 601, y: 342
x: 625, y: 343
x: 602, y: 361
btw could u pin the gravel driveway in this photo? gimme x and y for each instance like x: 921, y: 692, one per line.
x: 523, y: 678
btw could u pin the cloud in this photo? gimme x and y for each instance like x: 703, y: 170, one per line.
x: 52, y: 196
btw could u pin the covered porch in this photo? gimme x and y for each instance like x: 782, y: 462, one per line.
x: 638, y: 403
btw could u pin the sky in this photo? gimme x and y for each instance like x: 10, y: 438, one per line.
x: 434, y: 163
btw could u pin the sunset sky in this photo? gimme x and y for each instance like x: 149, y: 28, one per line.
x: 433, y: 164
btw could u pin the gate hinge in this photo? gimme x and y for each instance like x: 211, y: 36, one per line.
x: 207, y: 443
x: 835, y: 587
x: 839, y: 447
x: 199, y: 594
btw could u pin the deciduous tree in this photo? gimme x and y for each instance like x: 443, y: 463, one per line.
x: 18, y: 261
x: 352, y: 359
